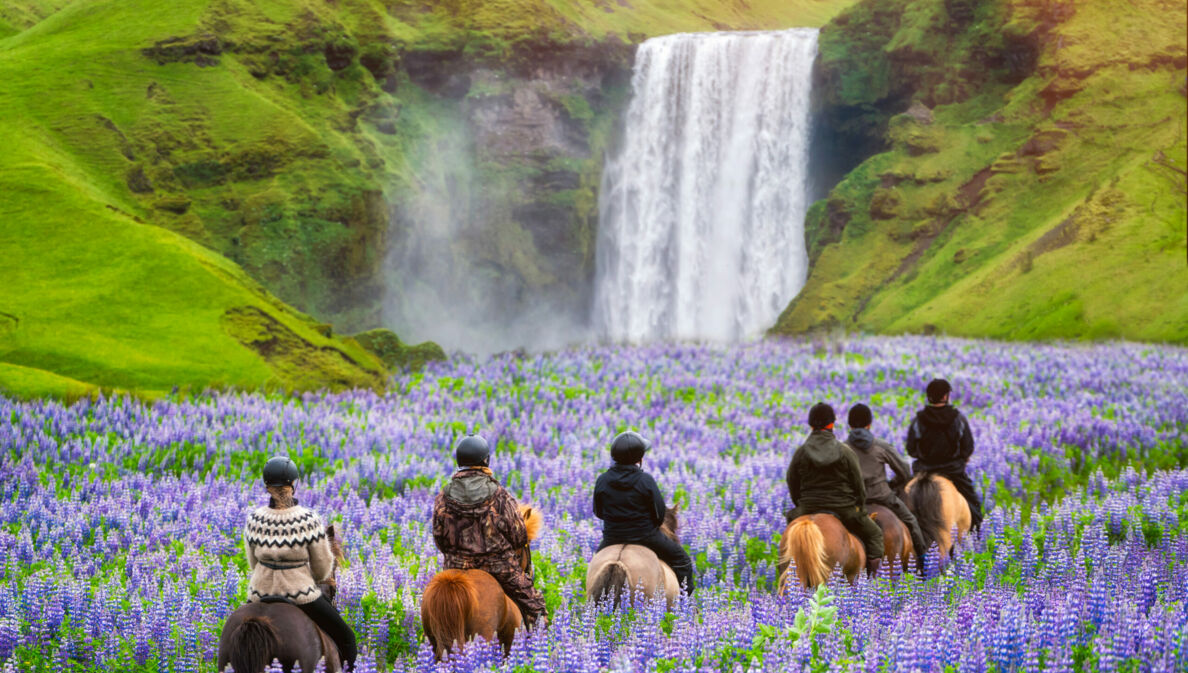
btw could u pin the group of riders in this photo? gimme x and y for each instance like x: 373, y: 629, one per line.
x: 477, y: 523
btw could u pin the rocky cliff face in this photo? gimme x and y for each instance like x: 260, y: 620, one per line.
x: 1020, y: 171
x: 493, y: 241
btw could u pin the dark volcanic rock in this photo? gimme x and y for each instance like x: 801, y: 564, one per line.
x: 202, y: 50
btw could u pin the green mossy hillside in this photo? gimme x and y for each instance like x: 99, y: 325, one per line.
x: 96, y: 301
x: 1028, y: 175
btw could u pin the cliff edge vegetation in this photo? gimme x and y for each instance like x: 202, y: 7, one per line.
x: 1026, y: 177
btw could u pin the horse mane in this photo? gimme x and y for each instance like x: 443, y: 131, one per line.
x: 533, y: 521
x: 924, y: 500
x: 335, y: 543
x: 671, y: 525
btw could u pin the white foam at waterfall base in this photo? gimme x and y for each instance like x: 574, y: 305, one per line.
x: 701, y: 225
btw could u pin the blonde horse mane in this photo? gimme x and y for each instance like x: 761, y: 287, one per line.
x: 533, y: 521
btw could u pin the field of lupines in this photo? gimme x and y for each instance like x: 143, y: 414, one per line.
x: 120, y: 522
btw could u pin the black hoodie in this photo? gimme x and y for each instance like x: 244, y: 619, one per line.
x: 824, y: 475
x: 629, y: 503
x: 940, y: 440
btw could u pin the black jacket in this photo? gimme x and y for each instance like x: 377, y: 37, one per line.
x: 940, y: 440
x: 824, y: 474
x: 629, y: 503
x: 874, y: 457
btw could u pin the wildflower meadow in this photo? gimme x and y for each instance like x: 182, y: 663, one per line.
x: 121, y: 520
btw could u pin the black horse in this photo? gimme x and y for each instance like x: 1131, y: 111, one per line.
x: 257, y: 633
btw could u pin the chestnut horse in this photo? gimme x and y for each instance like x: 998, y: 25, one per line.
x: 897, y: 540
x: 461, y: 604
x: 818, y: 542
x: 259, y: 632
x: 620, y: 568
x: 939, y: 508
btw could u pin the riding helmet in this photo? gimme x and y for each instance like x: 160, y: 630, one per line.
x: 629, y: 447
x: 937, y: 389
x: 280, y: 471
x: 472, y: 451
x: 821, y: 415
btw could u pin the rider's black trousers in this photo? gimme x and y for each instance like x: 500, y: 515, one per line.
x: 326, y: 616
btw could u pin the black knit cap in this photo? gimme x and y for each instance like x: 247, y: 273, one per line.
x: 937, y: 389
x: 859, y: 416
x: 821, y: 415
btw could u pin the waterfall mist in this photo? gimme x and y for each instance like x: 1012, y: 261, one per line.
x: 442, y: 282
x: 701, y: 224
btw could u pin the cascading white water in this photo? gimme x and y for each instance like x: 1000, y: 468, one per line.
x: 701, y: 227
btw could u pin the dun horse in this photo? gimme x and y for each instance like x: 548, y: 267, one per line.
x: 621, y: 568
x: 461, y: 604
x: 257, y: 633
x: 817, y: 543
x: 939, y: 508
x: 897, y: 540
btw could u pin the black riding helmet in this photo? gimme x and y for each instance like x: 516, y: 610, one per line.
x: 629, y: 447
x: 280, y: 471
x: 472, y: 451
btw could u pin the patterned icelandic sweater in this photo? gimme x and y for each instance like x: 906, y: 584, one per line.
x: 288, y: 552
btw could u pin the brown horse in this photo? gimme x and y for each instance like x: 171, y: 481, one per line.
x: 897, y: 540
x: 257, y: 633
x: 619, y: 568
x: 939, y: 508
x: 818, y: 542
x: 461, y: 604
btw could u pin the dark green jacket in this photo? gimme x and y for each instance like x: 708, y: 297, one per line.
x: 824, y: 474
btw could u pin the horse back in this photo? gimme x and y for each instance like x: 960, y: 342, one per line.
x: 641, y: 566
x: 460, y: 604
x: 298, y: 638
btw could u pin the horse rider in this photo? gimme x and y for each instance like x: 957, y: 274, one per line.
x: 632, y: 509
x: 290, y: 555
x: 874, y: 457
x: 477, y: 525
x: 941, y: 441
x: 824, y: 476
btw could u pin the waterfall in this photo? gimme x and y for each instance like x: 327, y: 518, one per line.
x: 701, y: 225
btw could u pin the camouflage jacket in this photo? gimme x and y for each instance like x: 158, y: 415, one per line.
x: 475, y: 517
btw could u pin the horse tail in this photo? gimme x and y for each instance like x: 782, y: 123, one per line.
x: 252, y: 644
x: 926, y: 503
x: 611, y: 579
x: 449, y: 600
x: 806, y: 546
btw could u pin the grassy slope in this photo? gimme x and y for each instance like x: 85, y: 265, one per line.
x: 95, y: 297
x: 261, y: 152
x: 1079, y: 227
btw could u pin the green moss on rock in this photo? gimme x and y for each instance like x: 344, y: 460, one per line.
x: 395, y: 354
